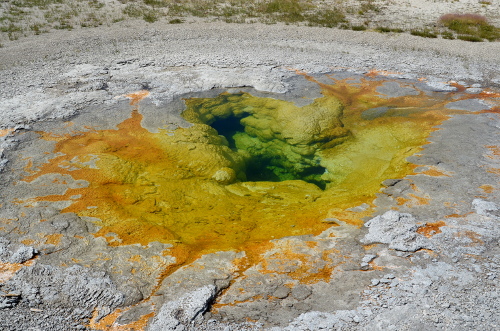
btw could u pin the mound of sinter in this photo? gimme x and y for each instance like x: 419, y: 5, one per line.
x: 269, y: 139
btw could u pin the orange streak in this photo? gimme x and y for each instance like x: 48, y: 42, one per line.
x: 420, y: 201
x: 8, y: 270
x: 457, y: 215
x: 53, y: 239
x: 5, y: 132
x: 430, y: 229
x: 136, y: 97
x: 487, y: 188
x: 108, y: 322
x: 374, y: 73
x: 495, y: 171
x: 495, y: 150
x: 434, y: 172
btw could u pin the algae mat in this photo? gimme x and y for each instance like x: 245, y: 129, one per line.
x: 249, y: 169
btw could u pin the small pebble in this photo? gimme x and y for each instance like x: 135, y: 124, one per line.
x: 368, y: 258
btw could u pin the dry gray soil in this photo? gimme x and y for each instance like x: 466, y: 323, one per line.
x: 448, y: 281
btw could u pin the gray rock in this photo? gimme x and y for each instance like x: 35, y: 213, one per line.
x: 281, y: 292
x: 313, y: 320
x: 178, y: 314
x: 301, y: 306
x: 9, y: 300
x: 301, y: 292
x: 484, y: 208
x: 394, y: 89
x: 441, y: 87
x: 75, y: 287
x: 368, y: 258
x: 474, y: 90
x: 398, y: 230
x: 364, y: 266
x: 4, y: 250
x: 23, y: 254
x: 469, y: 105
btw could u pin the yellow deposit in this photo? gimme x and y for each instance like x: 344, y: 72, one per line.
x: 190, y: 186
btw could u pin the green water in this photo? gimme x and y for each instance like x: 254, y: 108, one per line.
x: 266, y: 159
x: 229, y: 127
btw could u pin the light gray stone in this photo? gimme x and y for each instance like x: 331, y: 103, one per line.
x: 398, y: 230
x: 23, y: 254
x: 178, y: 314
x: 483, y: 207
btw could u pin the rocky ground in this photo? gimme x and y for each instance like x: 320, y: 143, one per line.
x: 426, y: 259
x: 22, y: 18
